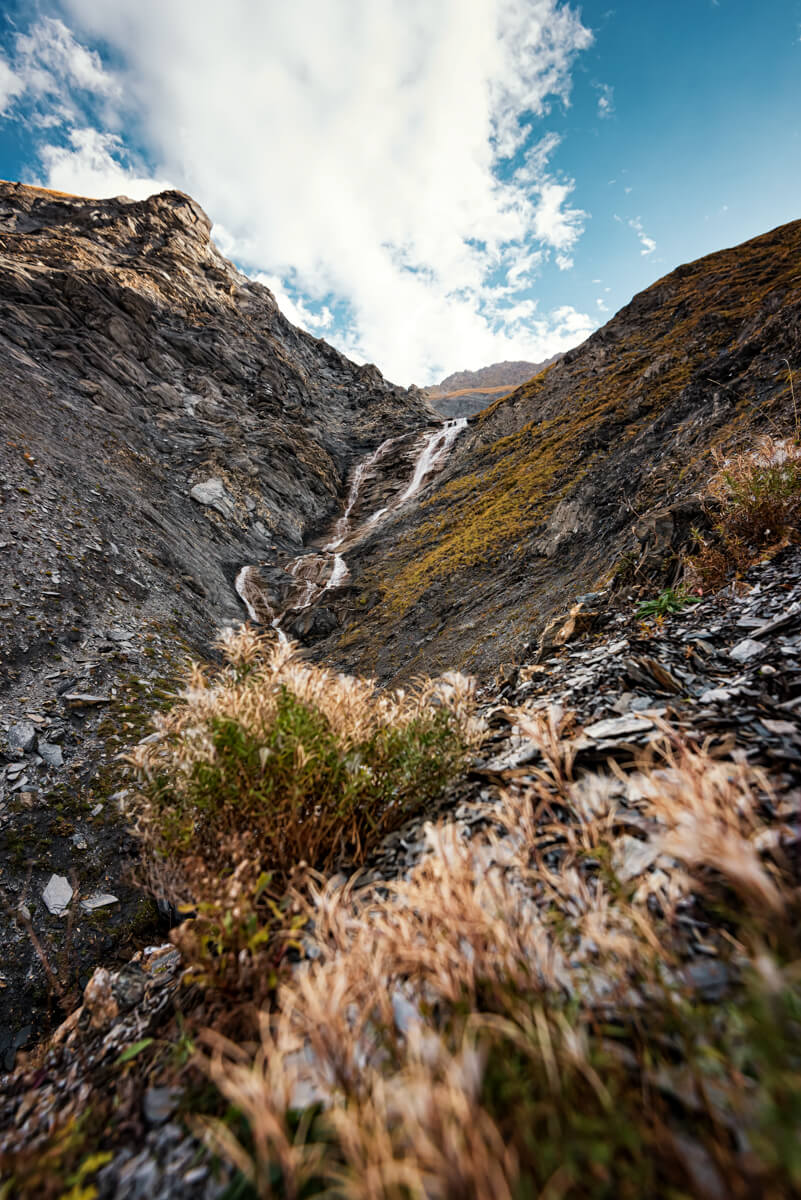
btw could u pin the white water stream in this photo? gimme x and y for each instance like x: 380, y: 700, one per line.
x: 434, y: 450
x: 326, y: 569
x: 360, y: 475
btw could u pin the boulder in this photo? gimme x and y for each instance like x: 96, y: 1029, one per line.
x: 22, y: 736
x: 311, y: 624
x: 212, y: 493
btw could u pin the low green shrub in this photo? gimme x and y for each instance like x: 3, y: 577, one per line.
x: 271, y: 765
x: 671, y: 601
x: 296, y: 790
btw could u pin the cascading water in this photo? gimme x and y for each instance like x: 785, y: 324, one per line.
x: 249, y: 588
x: 325, y: 570
x: 243, y: 591
x: 434, y: 448
x: 341, y: 529
x: 433, y: 453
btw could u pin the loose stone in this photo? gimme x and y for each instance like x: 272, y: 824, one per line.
x: 22, y: 736
x: 57, y: 895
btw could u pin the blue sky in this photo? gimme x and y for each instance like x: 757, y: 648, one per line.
x: 429, y: 184
x: 706, y: 134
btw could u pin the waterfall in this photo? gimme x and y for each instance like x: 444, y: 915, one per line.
x: 433, y: 454
x: 359, y: 476
x: 317, y: 573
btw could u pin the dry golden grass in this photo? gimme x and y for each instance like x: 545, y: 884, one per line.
x: 754, y: 509
x: 445, y: 1020
x: 502, y: 389
x: 258, y: 667
x: 29, y: 187
x: 513, y: 1018
x: 271, y: 765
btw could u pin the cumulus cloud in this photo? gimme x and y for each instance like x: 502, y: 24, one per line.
x: 52, y: 61
x: 293, y: 307
x: 387, y: 155
x: 60, y: 80
x: 97, y: 164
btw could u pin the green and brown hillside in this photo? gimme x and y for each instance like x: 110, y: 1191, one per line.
x: 540, y: 497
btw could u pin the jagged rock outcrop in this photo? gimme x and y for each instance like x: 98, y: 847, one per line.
x: 540, y: 496
x: 465, y: 393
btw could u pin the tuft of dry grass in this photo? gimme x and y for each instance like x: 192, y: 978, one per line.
x: 754, y: 509
x: 271, y: 765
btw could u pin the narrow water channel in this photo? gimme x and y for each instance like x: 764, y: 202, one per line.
x: 319, y: 571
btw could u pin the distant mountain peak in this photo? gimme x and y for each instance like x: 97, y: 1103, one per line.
x: 464, y: 393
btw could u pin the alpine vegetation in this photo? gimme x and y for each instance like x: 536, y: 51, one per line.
x: 522, y: 1016
x: 269, y: 765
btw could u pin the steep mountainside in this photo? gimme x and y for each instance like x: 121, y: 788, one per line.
x: 545, y: 494
x: 464, y: 393
x: 162, y: 425
x: 137, y: 363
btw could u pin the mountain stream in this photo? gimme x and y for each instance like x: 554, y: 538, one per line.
x: 320, y: 571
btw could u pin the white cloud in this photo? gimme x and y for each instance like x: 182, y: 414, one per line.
x: 56, y: 75
x: 606, y: 100
x: 522, y: 268
x: 96, y: 164
x: 535, y: 51
x: 648, y: 244
x: 10, y: 86
x: 295, y: 309
x: 51, y: 60
x: 351, y: 150
x: 555, y: 222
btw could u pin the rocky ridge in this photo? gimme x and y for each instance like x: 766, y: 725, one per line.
x: 465, y: 393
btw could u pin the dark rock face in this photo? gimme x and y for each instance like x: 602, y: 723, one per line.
x: 137, y: 367
x: 540, y: 496
x: 313, y: 623
x: 163, y: 424
x: 465, y: 393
